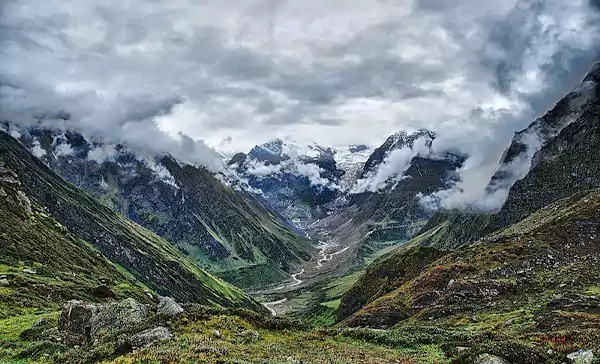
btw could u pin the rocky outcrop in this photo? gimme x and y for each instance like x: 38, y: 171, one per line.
x: 167, y: 307
x: 120, y: 315
x: 83, y: 323
x: 86, y: 324
x: 75, y: 322
x: 581, y: 357
x: 150, y: 336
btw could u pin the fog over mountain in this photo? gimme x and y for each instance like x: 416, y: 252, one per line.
x: 185, y: 77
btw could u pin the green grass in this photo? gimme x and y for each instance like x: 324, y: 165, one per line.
x: 593, y: 290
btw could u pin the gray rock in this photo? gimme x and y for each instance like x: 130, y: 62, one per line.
x: 120, y: 315
x: 168, y: 307
x: 24, y: 202
x: 217, y: 334
x: 75, y: 320
x: 250, y: 335
x: 29, y: 271
x: 583, y: 356
x: 43, y: 322
x: 2, y: 192
x: 489, y: 359
x: 4, y: 282
x: 151, y: 336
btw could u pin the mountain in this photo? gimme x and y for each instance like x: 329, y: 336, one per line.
x: 562, y: 159
x: 301, y: 183
x: 516, y: 160
x: 398, y: 140
x: 68, y: 242
x: 228, y: 233
x: 389, y: 210
x: 537, y: 276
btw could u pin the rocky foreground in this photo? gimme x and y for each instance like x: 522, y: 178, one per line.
x: 127, y: 331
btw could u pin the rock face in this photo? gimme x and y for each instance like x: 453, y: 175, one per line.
x: 168, y: 307
x: 151, y: 336
x: 581, y: 357
x: 75, y: 322
x: 118, y: 315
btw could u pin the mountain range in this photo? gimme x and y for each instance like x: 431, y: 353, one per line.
x: 339, y: 236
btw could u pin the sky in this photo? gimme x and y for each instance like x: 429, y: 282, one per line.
x: 182, y: 76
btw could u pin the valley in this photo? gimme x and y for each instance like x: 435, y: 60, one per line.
x: 129, y: 259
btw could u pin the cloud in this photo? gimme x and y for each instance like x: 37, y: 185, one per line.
x: 37, y: 149
x: 392, y: 169
x: 259, y: 169
x: 160, y: 171
x: 63, y: 149
x: 175, y: 77
x: 313, y: 173
x: 294, y: 165
x: 102, y: 152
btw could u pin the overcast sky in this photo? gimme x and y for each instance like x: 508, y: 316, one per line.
x: 167, y: 75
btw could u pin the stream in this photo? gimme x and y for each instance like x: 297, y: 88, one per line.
x: 324, y: 256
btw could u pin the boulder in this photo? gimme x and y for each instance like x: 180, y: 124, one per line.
x: 103, y: 291
x: 151, y: 336
x: 583, y: 356
x: 168, y: 307
x: 75, y: 322
x: 489, y: 359
x: 122, y: 315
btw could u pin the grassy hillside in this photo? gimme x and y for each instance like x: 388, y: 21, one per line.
x: 535, y: 281
x: 150, y: 259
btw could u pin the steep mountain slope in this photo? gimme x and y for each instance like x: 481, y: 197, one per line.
x: 542, y: 271
x: 42, y: 263
x: 391, y: 210
x: 228, y: 233
x: 516, y: 160
x: 564, y: 159
x: 150, y: 259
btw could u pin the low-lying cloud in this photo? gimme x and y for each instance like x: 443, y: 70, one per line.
x: 294, y: 166
x: 391, y: 170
